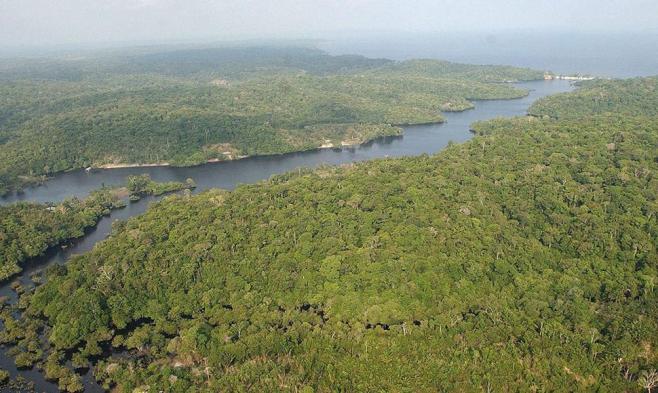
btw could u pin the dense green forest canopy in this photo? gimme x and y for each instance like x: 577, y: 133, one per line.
x: 201, y: 63
x: 141, y: 185
x: 189, y: 106
x: 637, y: 96
x: 525, y: 259
x: 28, y: 229
x: 444, y: 69
x: 238, y: 62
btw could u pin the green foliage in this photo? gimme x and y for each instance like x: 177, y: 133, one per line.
x: 188, y: 107
x: 141, y: 185
x: 27, y: 230
x: 445, y: 69
x: 638, y: 96
x: 524, y: 259
x: 197, y: 63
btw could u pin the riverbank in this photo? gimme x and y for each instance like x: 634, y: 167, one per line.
x: 183, y: 240
x: 362, y: 134
x: 549, y: 77
x: 133, y: 165
x: 324, y: 145
x: 416, y: 140
x: 30, y: 230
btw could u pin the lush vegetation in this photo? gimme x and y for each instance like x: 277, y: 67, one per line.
x: 190, y: 62
x: 638, y: 96
x: 28, y: 229
x: 18, y: 385
x: 523, y: 260
x: 141, y: 185
x: 444, y: 69
x: 190, y: 106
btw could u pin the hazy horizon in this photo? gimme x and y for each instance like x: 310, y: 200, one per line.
x: 41, y: 23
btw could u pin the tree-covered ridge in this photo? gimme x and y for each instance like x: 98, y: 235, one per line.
x: 445, y: 69
x: 179, y: 118
x: 28, y: 229
x: 637, y: 96
x: 524, y: 259
x: 231, y: 62
x: 235, y: 63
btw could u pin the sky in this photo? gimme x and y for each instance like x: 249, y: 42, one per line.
x: 48, y: 22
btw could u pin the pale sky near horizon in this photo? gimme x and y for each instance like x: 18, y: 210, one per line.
x: 46, y: 22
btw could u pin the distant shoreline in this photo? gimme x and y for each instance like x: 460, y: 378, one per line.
x: 133, y: 165
x: 550, y: 77
x: 325, y: 145
x: 161, y: 164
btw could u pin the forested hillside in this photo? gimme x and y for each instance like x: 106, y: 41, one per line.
x: 445, y: 69
x: 199, y: 63
x: 523, y: 260
x: 188, y: 107
x: 638, y: 96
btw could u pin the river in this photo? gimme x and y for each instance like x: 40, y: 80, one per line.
x: 416, y: 140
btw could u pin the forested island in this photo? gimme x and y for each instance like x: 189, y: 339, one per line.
x: 523, y: 260
x: 190, y: 106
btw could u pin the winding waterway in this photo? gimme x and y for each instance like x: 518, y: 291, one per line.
x: 416, y: 140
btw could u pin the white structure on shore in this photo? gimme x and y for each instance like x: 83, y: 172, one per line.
x: 549, y: 76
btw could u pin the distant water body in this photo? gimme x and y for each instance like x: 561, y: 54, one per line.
x: 619, y: 55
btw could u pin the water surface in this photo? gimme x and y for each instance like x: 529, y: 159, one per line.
x: 416, y: 140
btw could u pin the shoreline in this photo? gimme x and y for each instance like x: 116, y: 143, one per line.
x: 240, y: 157
x: 109, y: 167
x: 46, y: 260
x: 133, y: 165
x: 48, y: 177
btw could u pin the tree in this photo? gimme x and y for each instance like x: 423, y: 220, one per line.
x: 648, y: 379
